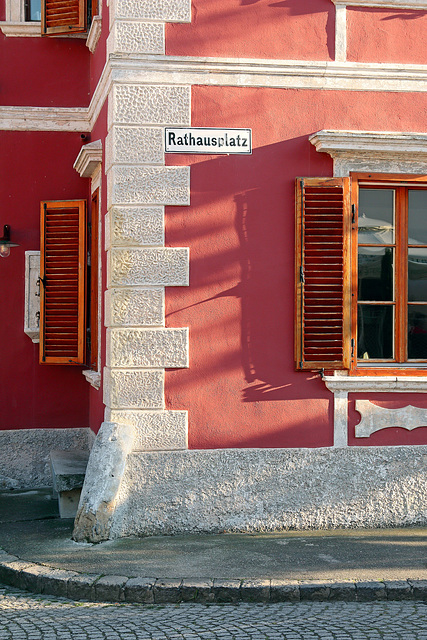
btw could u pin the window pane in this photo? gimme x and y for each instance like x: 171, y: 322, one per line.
x: 417, y: 275
x: 376, y: 216
x: 417, y: 217
x: 375, y: 273
x: 417, y: 331
x: 375, y: 329
x: 33, y: 10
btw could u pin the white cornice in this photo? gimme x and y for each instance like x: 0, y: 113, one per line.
x: 298, y: 74
x: 44, y: 119
x: 385, y: 4
x: 371, y: 384
x: 374, y: 143
x: 88, y: 159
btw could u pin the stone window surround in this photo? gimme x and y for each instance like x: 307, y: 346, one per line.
x: 88, y: 165
x: 376, y: 152
x: 341, y: 17
x: 16, y: 26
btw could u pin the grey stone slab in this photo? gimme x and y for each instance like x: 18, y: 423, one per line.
x: 82, y: 586
x: 197, y: 590
x: 68, y: 468
x: 255, y: 590
x: 419, y: 589
x: 31, y: 578
x: 54, y: 581
x: 110, y: 588
x: 139, y: 590
x: 372, y: 590
x: 398, y: 590
x: 345, y: 591
x: 168, y: 590
x: 314, y: 591
x: 284, y: 591
x: 10, y: 572
x: 226, y: 590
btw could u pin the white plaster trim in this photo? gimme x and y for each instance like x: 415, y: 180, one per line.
x: 353, y: 76
x: 93, y: 377
x: 375, y: 418
x: 392, y: 4
x: 89, y: 159
x: 340, y: 419
x: 94, y: 32
x: 374, y: 384
x: 21, y: 29
x: 376, y: 143
x: 44, y: 119
x: 340, y: 32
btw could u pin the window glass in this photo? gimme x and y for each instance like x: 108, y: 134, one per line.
x: 33, y: 12
x: 375, y: 329
x: 376, y: 216
x: 376, y: 267
x: 417, y: 217
x: 417, y: 332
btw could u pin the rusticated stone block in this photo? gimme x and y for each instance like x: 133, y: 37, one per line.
x: 139, y: 389
x: 197, y: 590
x: 134, y: 226
x: 148, y: 185
x: 167, y: 590
x: 139, y: 590
x: 156, y: 430
x: 110, y: 588
x: 148, y: 348
x: 150, y: 104
x: 134, y: 145
x: 167, y: 266
x: 134, y: 307
x: 136, y: 37
x: 167, y: 10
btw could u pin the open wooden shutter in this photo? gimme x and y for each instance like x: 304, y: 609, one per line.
x: 322, y: 336
x: 63, y: 16
x: 63, y: 282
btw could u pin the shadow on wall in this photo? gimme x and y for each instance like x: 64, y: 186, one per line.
x: 248, y: 241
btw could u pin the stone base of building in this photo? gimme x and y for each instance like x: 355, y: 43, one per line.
x: 249, y: 490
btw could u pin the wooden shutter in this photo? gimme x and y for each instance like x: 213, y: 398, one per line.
x: 63, y: 16
x: 322, y: 336
x: 63, y: 282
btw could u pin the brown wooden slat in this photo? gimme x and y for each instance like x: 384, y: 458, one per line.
x: 63, y: 16
x: 322, y: 306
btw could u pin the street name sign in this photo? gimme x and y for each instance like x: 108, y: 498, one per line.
x: 208, y: 141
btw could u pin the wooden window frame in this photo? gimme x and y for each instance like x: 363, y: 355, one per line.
x: 400, y: 367
x: 92, y: 358
x: 65, y: 27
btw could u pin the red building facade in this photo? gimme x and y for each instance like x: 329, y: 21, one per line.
x: 256, y: 321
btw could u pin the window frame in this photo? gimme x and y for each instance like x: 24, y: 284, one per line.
x: 402, y: 368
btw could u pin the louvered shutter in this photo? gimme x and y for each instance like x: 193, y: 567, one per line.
x: 322, y: 336
x: 63, y: 282
x: 63, y: 16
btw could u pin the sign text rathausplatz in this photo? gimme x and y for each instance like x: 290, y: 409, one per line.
x: 208, y: 141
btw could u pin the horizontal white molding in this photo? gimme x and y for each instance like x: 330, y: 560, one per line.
x: 298, y: 74
x: 381, y: 143
x: 385, y: 4
x: 44, y: 119
x: 372, y: 384
x: 167, y: 70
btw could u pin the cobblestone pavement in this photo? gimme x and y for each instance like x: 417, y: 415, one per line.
x: 32, y: 617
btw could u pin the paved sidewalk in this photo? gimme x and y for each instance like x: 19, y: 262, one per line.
x: 364, y: 565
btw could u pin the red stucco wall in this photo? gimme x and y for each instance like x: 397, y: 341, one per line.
x: 34, y: 167
x: 386, y: 35
x: 294, y: 29
x: 241, y: 389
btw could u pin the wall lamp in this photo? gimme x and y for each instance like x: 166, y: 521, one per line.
x: 5, y: 242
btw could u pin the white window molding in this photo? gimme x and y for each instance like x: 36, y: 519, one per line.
x: 373, y: 151
x: 88, y: 165
x: 32, y: 295
x: 15, y: 25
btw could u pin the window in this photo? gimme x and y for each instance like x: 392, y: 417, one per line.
x: 362, y: 274
x: 68, y: 276
x: 33, y: 11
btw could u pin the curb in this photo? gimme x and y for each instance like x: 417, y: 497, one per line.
x: 38, y: 578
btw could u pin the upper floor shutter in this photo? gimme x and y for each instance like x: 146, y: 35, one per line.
x: 322, y: 336
x: 63, y: 16
x: 63, y: 282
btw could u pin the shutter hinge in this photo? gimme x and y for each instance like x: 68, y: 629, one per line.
x: 353, y: 213
x: 301, y: 275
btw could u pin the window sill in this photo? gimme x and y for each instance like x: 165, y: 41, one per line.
x: 21, y: 29
x: 93, y: 377
x: 373, y: 384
